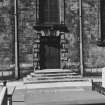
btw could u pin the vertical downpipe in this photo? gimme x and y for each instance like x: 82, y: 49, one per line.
x: 99, y: 18
x: 36, y: 10
x: 81, y: 39
x: 64, y: 10
x: 60, y: 19
x: 60, y: 16
x: 16, y: 41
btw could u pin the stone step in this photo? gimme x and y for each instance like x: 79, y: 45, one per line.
x: 54, y: 77
x: 35, y: 80
x: 58, y: 77
x: 46, y: 71
x: 52, y: 74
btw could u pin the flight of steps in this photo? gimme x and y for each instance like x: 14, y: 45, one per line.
x: 53, y: 75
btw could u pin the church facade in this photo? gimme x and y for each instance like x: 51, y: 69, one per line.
x: 53, y: 34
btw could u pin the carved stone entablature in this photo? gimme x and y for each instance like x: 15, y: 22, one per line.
x: 57, y: 27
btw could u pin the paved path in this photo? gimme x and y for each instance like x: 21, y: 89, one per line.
x: 56, y: 96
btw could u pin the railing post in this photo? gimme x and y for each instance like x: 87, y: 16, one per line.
x: 92, y: 85
x: 4, y: 83
x: 10, y: 99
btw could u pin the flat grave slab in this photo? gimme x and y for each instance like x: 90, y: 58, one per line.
x: 62, y: 96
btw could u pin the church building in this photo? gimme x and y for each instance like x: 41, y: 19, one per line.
x: 52, y: 34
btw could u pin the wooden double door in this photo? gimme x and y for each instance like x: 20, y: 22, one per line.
x: 50, y: 52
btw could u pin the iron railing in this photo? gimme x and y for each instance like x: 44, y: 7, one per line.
x: 97, y: 86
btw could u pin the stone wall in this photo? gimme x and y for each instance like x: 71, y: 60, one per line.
x: 26, y: 19
x: 71, y: 38
x: 6, y: 34
x: 94, y: 56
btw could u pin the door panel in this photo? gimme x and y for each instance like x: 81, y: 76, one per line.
x: 50, y: 52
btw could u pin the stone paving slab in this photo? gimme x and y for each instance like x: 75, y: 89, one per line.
x: 18, y: 103
x: 18, y: 97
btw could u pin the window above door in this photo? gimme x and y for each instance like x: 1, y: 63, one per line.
x: 49, y: 12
